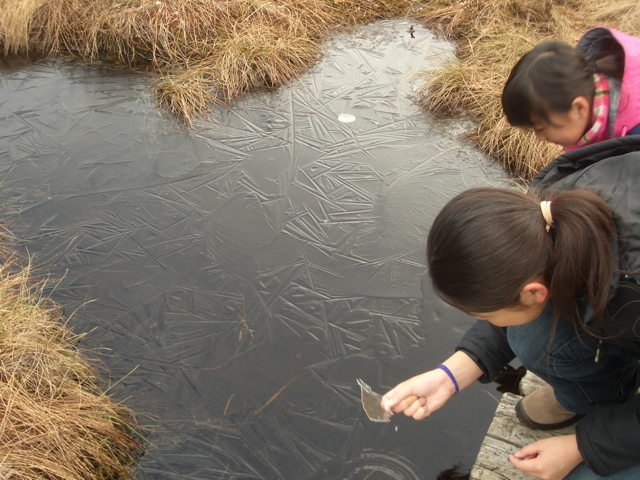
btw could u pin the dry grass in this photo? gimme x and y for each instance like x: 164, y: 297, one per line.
x: 491, y: 36
x: 205, y: 51
x: 56, y: 423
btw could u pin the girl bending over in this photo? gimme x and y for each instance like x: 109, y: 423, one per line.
x: 576, y: 96
x: 553, y: 278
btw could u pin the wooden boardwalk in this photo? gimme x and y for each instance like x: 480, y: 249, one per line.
x: 506, y: 435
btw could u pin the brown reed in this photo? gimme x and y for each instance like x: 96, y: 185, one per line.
x: 56, y: 422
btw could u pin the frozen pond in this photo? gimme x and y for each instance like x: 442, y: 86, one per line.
x: 237, y: 279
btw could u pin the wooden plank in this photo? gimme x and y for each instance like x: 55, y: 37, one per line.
x: 489, y: 464
x: 506, y: 435
x: 507, y: 427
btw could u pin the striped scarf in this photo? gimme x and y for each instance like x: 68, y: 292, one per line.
x: 600, y: 112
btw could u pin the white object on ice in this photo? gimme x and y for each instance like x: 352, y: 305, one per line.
x: 346, y: 118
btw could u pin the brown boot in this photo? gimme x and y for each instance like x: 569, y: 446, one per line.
x: 541, y: 411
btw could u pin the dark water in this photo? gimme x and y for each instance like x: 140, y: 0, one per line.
x: 237, y: 278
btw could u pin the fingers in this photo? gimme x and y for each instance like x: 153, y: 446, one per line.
x: 410, y: 399
x: 419, y: 396
x: 421, y: 412
x: 396, y: 401
x: 531, y: 466
x: 527, y: 452
x: 393, y: 398
x: 551, y: 458
x: 526, y: 459
x: 412, y: 406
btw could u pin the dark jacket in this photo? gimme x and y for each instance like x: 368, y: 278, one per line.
x: 609, y: 438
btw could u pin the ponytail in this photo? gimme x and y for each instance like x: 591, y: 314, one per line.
x: 487, y: 243
x: 581, y: 269
x: 611, y: 65
x: 604, y: 51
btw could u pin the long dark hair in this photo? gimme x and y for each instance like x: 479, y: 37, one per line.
x: 549, y: 78
x: 487, y: 243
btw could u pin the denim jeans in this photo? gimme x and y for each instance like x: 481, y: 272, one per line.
x: 582, y: 472
x: 568, y: 363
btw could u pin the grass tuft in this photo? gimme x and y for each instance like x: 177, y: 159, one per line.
x: 56, y: 422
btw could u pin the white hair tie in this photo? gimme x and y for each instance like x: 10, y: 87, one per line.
x: 546, y: 213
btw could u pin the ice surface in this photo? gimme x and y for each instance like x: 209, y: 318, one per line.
x: 241, y: 275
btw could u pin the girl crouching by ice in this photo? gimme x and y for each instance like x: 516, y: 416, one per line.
x: 553, y: 276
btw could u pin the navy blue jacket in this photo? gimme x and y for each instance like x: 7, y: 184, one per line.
x: 609, y: 438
